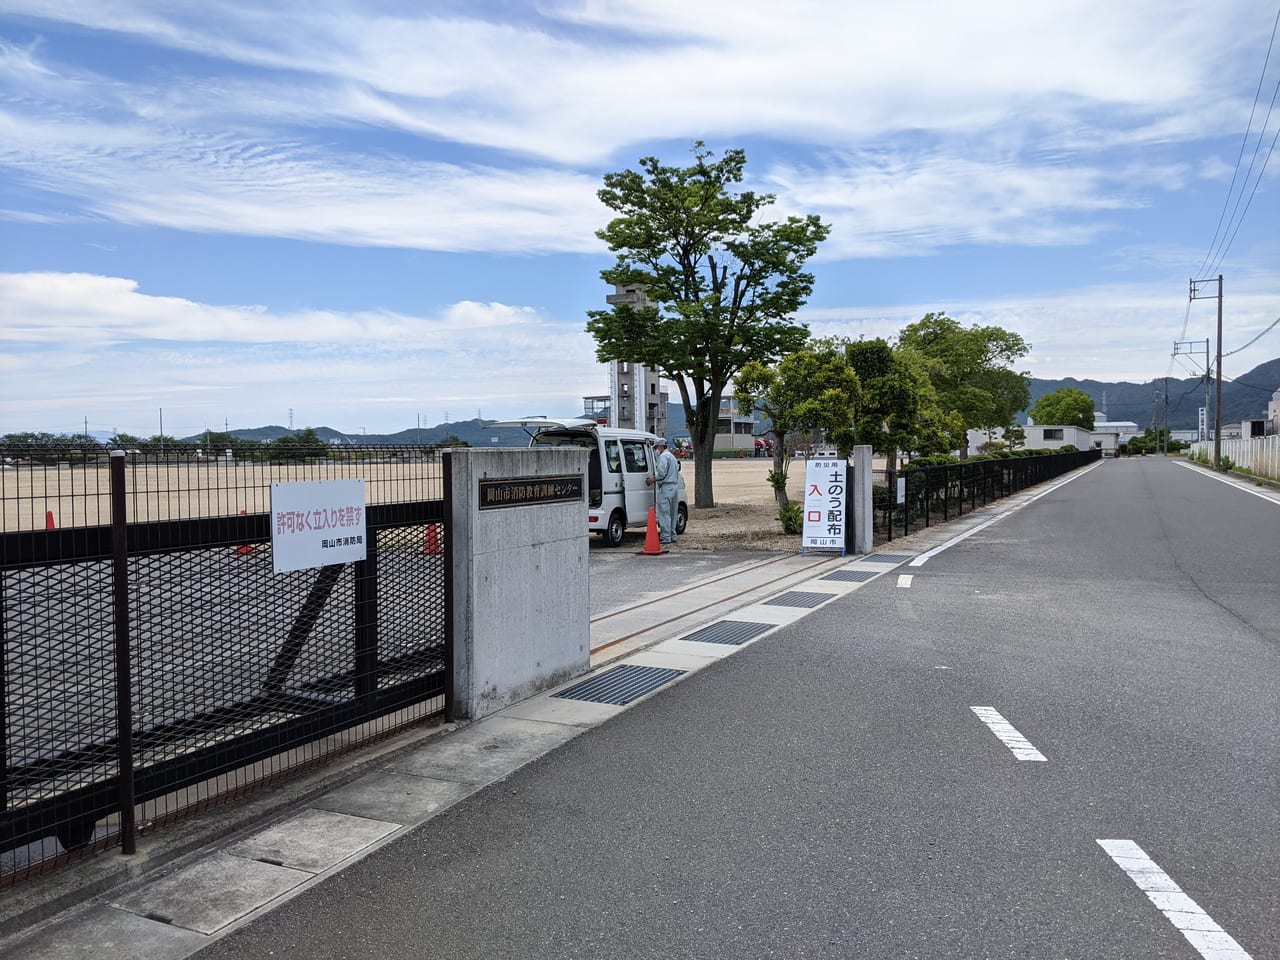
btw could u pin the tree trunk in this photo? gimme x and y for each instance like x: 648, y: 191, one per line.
x: 703, y: 495
x: 780, y: 466
x: 702, y: 434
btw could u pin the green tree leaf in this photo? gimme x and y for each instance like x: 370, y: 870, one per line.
x: 719, y: 283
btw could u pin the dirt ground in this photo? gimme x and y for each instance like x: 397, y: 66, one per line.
x: 745, y: 516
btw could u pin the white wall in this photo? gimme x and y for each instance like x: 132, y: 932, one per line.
x: 1035, y: 440
x: 1260, y: 455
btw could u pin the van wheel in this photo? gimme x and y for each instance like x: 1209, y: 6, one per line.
x: 617, y: 527
x: 682, y: 519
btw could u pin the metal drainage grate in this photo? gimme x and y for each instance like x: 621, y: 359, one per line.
x: 735, y: 632
x: 799, y: 598
x: 888, y: 558
x: 620, y: 685
x: 852, y: 576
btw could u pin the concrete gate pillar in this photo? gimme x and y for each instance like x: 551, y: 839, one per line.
x: 520, y: 607
x: 860, y: 500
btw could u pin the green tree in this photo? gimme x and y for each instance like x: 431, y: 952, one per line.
x: 970, y: 367
x: 900, y: 409
x: 720, y: 283
x: 160, y: 445
x: 38, y: 447
x: 302, y: 445
x: 214, y: 444
x: 811, y: 389
x: 125, y: 441
x: 1065, y: 406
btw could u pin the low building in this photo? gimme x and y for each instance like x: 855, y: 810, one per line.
x: 1039, y: 437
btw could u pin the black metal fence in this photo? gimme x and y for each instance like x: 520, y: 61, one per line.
x: 154, y: 664
x: 935, y: 494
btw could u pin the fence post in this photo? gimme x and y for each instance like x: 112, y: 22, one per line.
x: 124, y: 666
x: 891, y: 478
x: 4, y: 708
x: 366, y: 622
x: 859, y: 535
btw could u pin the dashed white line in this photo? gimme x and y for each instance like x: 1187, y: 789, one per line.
x: 1019, y: 745
x: 1198, y: 927
x: 904, y: 579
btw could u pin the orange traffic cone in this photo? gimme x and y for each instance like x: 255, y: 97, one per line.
x: 652, y: 546
x: 431, y: 542
x: 244, y: 550
x: 48, y: 520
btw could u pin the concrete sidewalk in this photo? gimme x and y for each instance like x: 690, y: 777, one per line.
x: 194, y: 882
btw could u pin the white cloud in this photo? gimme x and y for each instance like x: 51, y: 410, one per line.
x: 1103, y: 332
x: 99, y: 347
x: 1007, y: 122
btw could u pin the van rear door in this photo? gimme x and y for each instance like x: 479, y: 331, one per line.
x: 637, y: 464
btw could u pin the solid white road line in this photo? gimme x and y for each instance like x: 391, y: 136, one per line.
x: 904, y: 579
x: 1234, y: 482
x: 1011, y: 738
x: 1198, y: 927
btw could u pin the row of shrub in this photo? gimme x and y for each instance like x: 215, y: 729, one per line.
x: 944, y: 459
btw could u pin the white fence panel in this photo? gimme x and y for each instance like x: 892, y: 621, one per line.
x: 1260, y: 455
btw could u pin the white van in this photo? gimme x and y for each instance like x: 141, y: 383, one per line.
x: 618, y: 463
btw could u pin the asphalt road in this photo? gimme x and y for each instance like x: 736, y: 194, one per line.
x: 830, y: 791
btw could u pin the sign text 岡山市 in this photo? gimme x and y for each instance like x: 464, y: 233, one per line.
x: 316, y: 523
x: 825, y: 504
x: 526, y: 491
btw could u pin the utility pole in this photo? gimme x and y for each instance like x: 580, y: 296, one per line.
x: 1166, y: 416
x: 1185, y: 347
x: 1217, y: 402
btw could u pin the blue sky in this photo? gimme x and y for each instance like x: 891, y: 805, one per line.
x: 368, y: 214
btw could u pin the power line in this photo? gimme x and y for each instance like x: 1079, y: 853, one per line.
x: 1263, y: 169
x: 1219, y: 230
x: 1255, y: 339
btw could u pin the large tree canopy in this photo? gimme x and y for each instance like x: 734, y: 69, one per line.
x: 900, y: 410
x: 720, y: 283
x: 1066, y: 407
x: 811, y: 389
x: 971, y: 368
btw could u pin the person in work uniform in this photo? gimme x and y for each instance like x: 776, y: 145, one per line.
x: 665, y: 480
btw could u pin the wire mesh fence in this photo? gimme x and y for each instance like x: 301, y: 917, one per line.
x: 155, y: 663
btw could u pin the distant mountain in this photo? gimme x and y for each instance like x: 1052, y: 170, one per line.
x: 1243, y: 398
x: 475, y: 432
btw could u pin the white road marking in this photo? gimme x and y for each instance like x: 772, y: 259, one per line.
x: 904, y: 579
x: 1231, y: 481
x: 1019, y: 745
x: 1198, y: 927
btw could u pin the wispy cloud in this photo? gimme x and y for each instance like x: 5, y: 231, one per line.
x: 577, y: 85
